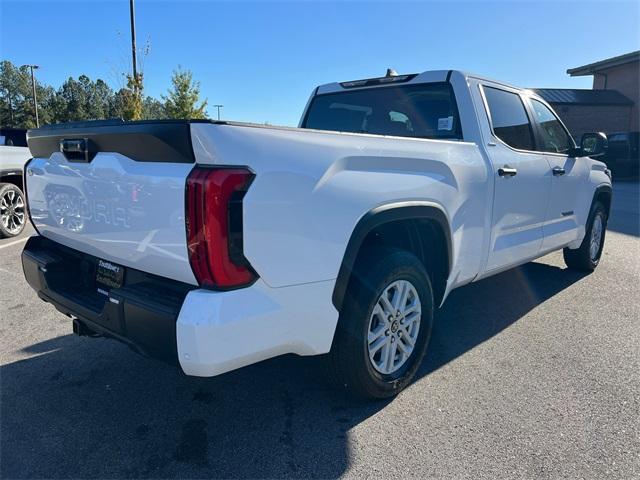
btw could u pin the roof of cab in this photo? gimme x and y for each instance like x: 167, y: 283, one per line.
x: 404, y: 79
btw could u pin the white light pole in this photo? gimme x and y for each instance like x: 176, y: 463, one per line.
x: 218, y: 107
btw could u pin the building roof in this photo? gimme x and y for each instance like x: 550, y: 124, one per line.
x: 592, y: 68
x: 571, y: 96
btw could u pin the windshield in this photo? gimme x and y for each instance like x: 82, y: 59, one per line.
x: 424, y: 111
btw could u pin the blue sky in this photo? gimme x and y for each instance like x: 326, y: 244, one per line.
x: 262, y: 59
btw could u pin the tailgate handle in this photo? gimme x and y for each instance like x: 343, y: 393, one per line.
x: 77, y: 149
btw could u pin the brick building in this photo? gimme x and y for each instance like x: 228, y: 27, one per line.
x: 612, y: 105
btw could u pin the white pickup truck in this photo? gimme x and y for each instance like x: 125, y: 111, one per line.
x: 216, y: 244
x: 14, y: 154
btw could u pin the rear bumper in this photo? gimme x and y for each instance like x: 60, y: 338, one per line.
x: 221, y: 331
x: 142, y: 313
x: 206, y: 332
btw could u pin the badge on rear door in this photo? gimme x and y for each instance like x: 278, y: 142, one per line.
x: 109, y: 274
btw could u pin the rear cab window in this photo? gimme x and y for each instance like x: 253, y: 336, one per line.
x: 420, y: 111
x: 509, y: 118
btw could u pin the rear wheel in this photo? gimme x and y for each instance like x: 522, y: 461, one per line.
x: 13, y: 213
x: 587, y: 256
x: 384, y: 326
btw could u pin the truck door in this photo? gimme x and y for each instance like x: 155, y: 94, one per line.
x: 569, y: 174
x: 522, y: 180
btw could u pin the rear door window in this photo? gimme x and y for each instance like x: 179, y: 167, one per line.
x: 423, y: 111
x: 553, y: 136
x: 509, y: 118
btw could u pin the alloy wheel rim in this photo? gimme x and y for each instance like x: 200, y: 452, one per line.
x: 394, y: 326
x: 12, y: 211
x: 596, y: 237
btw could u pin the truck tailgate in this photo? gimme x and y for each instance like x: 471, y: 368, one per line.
x: 117, y: 202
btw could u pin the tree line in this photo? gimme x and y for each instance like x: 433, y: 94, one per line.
x: 86, y: 99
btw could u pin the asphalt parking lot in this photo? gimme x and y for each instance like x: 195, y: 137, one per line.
x: 533, y: 373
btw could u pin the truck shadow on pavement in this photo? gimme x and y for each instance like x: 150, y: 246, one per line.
x: 90, y: 408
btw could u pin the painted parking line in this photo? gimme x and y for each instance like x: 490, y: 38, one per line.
x: 15, y: 242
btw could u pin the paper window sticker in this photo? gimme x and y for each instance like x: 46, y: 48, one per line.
x: 445, y: 123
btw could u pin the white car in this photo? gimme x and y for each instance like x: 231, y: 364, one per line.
x: 217, y: 244
x: 14, y: 154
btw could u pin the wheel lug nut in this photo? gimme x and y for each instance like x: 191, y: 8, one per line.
x: 387, y: 333
x: 393, y: 339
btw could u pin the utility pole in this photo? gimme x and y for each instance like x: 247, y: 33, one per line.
x: 132, y: 14
x: 33, y: 87
x: 218, y: 107
x: 10, y: 106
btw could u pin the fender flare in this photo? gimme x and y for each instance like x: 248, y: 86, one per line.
x: 600, y: 189
x: 13, y: 176
x: 410, y: 210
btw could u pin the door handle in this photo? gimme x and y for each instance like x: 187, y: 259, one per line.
x: 507, y: 171
x: 558, y: 171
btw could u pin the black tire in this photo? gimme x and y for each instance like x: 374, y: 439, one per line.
x: 10, y: 225
x: 581, y: 258
x: 348, y: 364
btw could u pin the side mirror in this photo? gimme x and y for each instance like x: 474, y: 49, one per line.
x: 594, y: 144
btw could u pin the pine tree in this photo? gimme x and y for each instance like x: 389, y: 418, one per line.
x: 183, y: 99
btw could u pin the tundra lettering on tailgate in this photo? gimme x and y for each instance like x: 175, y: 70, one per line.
x: 73, y: 212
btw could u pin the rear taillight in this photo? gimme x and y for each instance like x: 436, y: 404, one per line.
x: 214, y: 226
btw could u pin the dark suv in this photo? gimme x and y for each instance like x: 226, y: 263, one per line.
x: 623, y: 156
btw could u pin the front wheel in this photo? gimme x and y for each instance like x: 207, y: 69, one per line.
x: 587, y: 256
x: 13, y: 213
x: 384, y: 325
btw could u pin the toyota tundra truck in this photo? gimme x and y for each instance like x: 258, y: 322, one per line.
x: 215, y: 245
